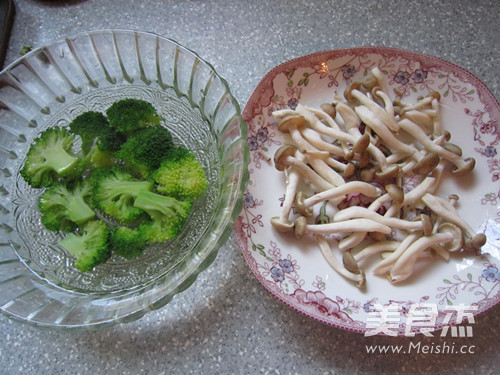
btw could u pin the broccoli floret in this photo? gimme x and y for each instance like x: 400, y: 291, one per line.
x: 51, y: 157
x: 89, y: 125
x: 111, y: 141
x: 114, y: 192
x: 93, y: 127
x: 167, y: 215
x: 65, y: 207
x: 181, y: 177
x: 90, y: 247
x: 144, y: 151
x: 129, y: 115
x: 128, y: 242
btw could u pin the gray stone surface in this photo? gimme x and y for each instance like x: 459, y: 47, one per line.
x: 227, y: 323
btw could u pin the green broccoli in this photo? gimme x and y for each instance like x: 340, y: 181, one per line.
x: 97, y: 158
x: 129, y: 115
x: 181, y: 177
x: 128, y: 242
x: 93, y: 127
x: 144, y: 151
x: 90, y: 247
x: 167, y: 215
x: 115, y: 190
x: 50, y: 157
x: 65, y: 207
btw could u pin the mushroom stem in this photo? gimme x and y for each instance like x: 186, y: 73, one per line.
x: 291, y: 188
x: 438, y: 123
x: 332, y: 131
x: 356, y: 212
x: 447, y: 211
x: 403, y: 267
x: 283, y: 158
x: 314, y: 138
x: 389, y: 107
x: 376, y: 248
x: 385, y: 265
x: 339, y: 227
x: 324, y: 170
x: 421, y: 103
x: 423, y: 119
x: 378, y: 111
x: 352, y: 122
x: 291, y: 125
x: 364, y: 188
x: 381, y: 129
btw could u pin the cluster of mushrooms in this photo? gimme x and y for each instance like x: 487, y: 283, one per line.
x: 366, y: 143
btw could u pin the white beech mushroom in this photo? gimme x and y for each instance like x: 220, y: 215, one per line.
x: 388, y: 120
x: 462, y: 165
x: 448, y: 212
x: 352, y: 122
x: 379, y: 127
x: 284, y: 158
x: 283, y: 223
x: 377, y: 142
x: 357, y: 212
x: 327, y: 251
x: 301, y: 227
x: 304, y: 203
x: 403, y: 267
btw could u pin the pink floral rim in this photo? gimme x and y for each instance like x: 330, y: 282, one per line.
x: 281, y: 271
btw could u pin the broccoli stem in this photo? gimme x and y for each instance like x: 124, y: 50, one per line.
x: 157, y: 205
x: 74, y: 244
x: 132, y: 188
x: 60, y: 160
x: 80, y: 212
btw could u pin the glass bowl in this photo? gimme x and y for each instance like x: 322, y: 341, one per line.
x: 50, y: 86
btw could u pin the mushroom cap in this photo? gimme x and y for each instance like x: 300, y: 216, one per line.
x: 361, y: 144
x: 280, y: 156
x: 453, y: 148
x: 292, y: 121
x: 299, y: 228
x: 370, y: 81
x: 329, y: 109
x: 435, y: 95
x: 348, y: 91
x: 458, y: 237
x: 391, y: 171
x: 350, y: 170
x: 281, y: 226
x: 469, y: 165
x: 366, y: 175
x: 396, y: 193
x: 364, y: 160
x: 376, y: 96
x: 427, y: 164
x: 478, y: 240
x: 300, y: 206
x: 426, y: 224
x: 350, y: 262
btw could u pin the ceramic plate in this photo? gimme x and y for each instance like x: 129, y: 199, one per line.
x: 295, y: 271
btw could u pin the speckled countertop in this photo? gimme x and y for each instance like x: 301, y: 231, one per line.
x: 227, y: 323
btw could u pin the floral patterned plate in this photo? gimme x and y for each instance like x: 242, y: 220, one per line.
x: 295, y: 271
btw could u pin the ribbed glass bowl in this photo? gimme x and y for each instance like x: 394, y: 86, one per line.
x: 50, y: 86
